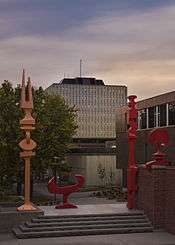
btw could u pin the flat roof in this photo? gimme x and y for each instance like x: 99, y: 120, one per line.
x: 156, y: 100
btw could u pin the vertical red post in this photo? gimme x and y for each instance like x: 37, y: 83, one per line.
x: 132, y: 169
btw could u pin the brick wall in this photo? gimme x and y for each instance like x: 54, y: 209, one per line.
x: 156, y: 196
x: 170, y: 201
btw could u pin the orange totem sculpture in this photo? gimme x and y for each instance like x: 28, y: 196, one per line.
x: 132, y: 169
x: 27, y: 144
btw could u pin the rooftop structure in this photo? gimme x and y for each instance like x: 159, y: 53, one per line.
x: 83, y: 81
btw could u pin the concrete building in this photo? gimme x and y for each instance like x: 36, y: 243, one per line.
x: 155, y: 112
x: 96, y: 104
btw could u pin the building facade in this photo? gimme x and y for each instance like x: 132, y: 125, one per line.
x: 158, y: 111
x: 95, y: 104
x: 88, y: 164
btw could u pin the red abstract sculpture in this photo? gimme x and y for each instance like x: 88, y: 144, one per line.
x: 65, y: 190
x: 132, y: 169
x: 158, y: 137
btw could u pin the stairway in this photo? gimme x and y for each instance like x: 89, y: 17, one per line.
x: 80, y: 225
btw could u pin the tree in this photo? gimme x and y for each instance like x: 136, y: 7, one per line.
x: 55, y: 126
x: 9, y: 134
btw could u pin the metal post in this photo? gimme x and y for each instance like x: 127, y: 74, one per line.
x: 147, y: 118
x: 80, y: 67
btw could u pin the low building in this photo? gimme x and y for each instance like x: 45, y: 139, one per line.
x: 155, y: 112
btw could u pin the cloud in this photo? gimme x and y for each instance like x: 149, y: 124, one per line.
x: 134, y: 49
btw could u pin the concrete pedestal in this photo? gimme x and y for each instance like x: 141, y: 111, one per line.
x: 10, y: 217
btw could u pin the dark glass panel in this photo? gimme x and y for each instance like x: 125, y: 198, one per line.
x: 162, y: 110
x: 143, y: 119
x: 171, y: 112
x: 151, y: 117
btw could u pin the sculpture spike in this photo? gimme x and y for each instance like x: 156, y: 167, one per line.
x: 23, y: 93
x: 29, y: 93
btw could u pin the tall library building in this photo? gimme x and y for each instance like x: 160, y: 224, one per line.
x: 94, y: 141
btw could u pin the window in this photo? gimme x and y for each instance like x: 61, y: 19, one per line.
x: 152, y: 117
x: 171, y: 113
x: 142, y: 118
x: 162, y: 115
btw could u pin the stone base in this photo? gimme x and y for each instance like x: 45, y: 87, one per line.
x: 10, y: 217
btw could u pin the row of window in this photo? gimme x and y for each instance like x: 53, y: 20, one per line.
x: 91, y: 119
x: 80, y: 94
x: 95, y: 113
x: 157, y: 116
x: 104, y: 134
x: 87, y: 88
x: 94, y: 102
x: 93, y: 129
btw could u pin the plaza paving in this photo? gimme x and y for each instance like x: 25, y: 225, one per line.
x: 154, y: 238
x: 110, y: 208
x: 88, y: 206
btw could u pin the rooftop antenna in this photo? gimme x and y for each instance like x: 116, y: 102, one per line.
x: 80, y: 67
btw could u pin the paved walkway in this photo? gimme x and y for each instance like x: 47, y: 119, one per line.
x: 79, y: 198
x: 84, y: 200
x: 154, y: 238
x: 88, y: 209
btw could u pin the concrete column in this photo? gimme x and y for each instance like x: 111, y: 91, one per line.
x: 167, y: 115
x: 139, y: 127
x: 157, y: 117
x: 147, y: 121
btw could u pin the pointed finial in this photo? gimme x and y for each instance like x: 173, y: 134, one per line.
x: 29, y: 92
x: 26, y: 93
x: 23, y: 90
x: 23, y: 77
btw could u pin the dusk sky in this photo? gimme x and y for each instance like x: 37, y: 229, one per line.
x: 123, y: 42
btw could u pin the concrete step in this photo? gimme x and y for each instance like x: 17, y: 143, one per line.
x: 40, y: 234
x: 85, y: 226
x: 83, y: 222
x: 133, y: 213
x: 77, y: 218
x: 89, y: 224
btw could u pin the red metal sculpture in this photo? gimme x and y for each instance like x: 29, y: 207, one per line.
x: 65, y: 190
x: 132, y: 169
x: 158, y: 137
